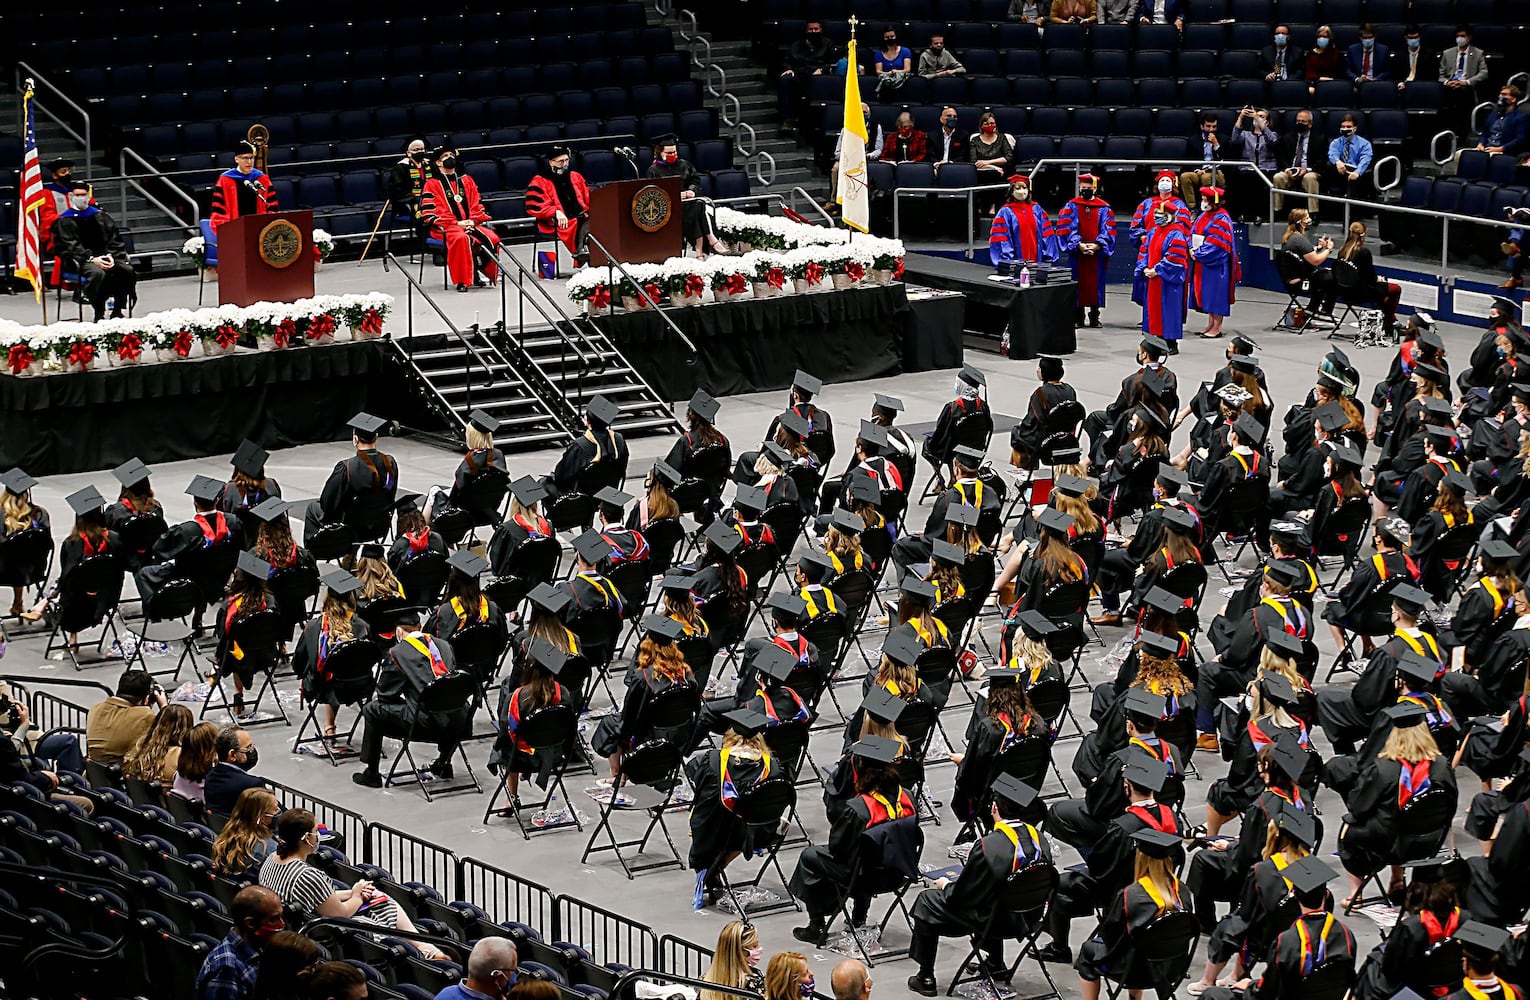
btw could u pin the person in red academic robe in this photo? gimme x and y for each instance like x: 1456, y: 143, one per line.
x: 450, y: 206
x: 1217, y: 270
x: 56, y: 202
x: 1086, y: 231
x: 559, y: 199
x: 1021, y: 231
x: 1165, y: 264
x: 243, y: 190
x: 1142, y: 219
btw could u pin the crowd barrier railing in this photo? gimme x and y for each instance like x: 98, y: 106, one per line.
x: 507, y: 896
x: 606, y: 935
x: 409, y: 859
x: 349, y: 824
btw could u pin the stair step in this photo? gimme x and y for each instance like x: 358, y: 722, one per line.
x: 529, y: 441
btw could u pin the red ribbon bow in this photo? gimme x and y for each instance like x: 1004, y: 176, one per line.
x: 736, y: 284
x: 898, y: 271
x: 855, y: 269
x: 775, y: 277
x: 130, y: 347
x: 226, y: 336
x: 654, y: 292
x: 694, y: 285
x: 322, y: 325
x: 813, y: 272
x: 19, y: 357
x: 81, y: 353
x: 371, y: 321
x: 285, y: 331
x: 601, y: 297
x: 182, y: 343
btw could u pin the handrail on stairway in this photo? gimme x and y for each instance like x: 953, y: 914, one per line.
x: 612, y: 264
x: 553, y: 320
x: 414, y: 286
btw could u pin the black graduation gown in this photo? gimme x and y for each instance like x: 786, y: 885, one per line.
x: 305, y: 662
x: 1248, y: 927
x: 1489, y: 990
x: 473, y: 465
x: 446, y: 622
x: 693, y: 219
x: 820, y: 424
x: 966, y: 903
x: 1347, y: 715
x: 1283, y: 977
x: 1236, y: 468
x: 404, y: 673
x: 119, y: 514
x: 180, y: 541
x: 679, y: 458
x: 15, y: 574
x: 1480, y: 620
x: 508, y: 537
x: 823, y: 871
x: 1498, y: 892
x: 1026, y: 436
x: 939, y: 442
x: 1110, y: 946
x: 233, y: 501
x: 358, y: 496
x: 625, y: 729
x: 403, y: 551
x: 1370, y: 830
x: 986, y: 739
x: 972, y: 492
x: 508, y: 751
x: 1109, y: 735
x: 589, y: 591
x: 715, y: 830
x: 1296, y: 438
x: 1364, y: 581
x: 1391, y: 967
x: 1421, y: 487
x: 1126, y: 483
x: 89, y: 611
x: 579, y: 472
x: 1242, y: 785
x: 232, y: 659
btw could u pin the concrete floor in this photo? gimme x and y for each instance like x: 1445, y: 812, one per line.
x: 663, y: 901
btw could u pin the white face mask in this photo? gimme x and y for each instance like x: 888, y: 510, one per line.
x: 1205, y: 205
x: 754, y: 955
x: 1462, y: 41
x: 1165, y: 186
x: 79, y: 202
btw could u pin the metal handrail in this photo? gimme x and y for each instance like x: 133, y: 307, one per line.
x: 461, y: 948
x: 414, y: 285
x: 797, y: 190
x: 738, y: 111
x: 765, y: 156
x: 122, y: 175
x: 557, y: 317
x: 1434, y: 147
x: 612, y: 264
x: 25, y: 71
x: 1392, y: 161
x: 1478, y: 111
x: 722, y: 80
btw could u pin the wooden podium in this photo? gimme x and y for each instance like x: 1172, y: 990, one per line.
x: 633, y: 220
x: 265, y: 258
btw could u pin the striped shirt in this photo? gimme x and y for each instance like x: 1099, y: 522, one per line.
x: 298, y: 884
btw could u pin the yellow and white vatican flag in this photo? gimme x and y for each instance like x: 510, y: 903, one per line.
x: 854, y: 193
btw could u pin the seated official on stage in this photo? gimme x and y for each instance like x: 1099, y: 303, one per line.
x: 695, y: 217
x: 451, y: 207
x: 359, y: 492
x: 89, y: 239
x: 559, y: 199
x: 242, y: 190
x: 406, y: 181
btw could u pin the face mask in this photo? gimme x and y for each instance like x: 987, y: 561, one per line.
x: 990, y: 128
x: 890, y: 42
x: 79, y: 202
x: 807, y: 986
x: 1303, y: 126
x: 1346, y: 132
x: 251, y: 758
x: 560, y: 171
x: 753, y: 955
x: 1086, y: 193
x: 1161, y: 220
x: 450, y: 163
x: 1022, y: 193
x: 905, y: 130
x: 503, y: 981
x: 417, y: 155
x: 1165, y: 186
x: 671, y: 157
x: 949, y: 122
x: 1462, y: 41
x: 1205, y: 205
x: 1413, y: 43
x: 1368, y: 43
x: 1322, y: 43
x: 1504, y: 101
x: 1500, y: 352
x: 1280, y: 41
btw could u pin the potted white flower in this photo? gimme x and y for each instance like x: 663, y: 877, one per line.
x: 24, y: 348
x: 323, y: 246
x: 685, y: 279
x: 196, y: 249
x: 767, y: 272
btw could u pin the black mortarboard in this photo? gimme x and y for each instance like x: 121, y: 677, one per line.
x: 1141, y: 701
x: 1406, y: 713
x: 1299, y: 824
x: 1250, y: 432
x: 795, y: 422
x: 1160, y: 645
x: 371, y: 550
x: 1435, y: 405
x: 340, y: 582
x: 1244, y: 363
x: 1156, y: 346
x: 1457, y: 482
x: 778, y: 454
x: 1286, y: 571
x: 1431, y: 372
x: 892, y: 404
x: 865, y: 489
x: 875, y: 434
x: 1329, y: 382
x: 807, y: 383
x: 917, y: 588
x: 882, y: 705
x: 1178, y: 518
x: 1409, y: 598
x: 1309, y: 875
x: 270, y: 509
x: 1497, y: 548
x: 64, y: 163
x: 902, y: 646
x: 1288, y: 532
x: 972, y: 376
x: 254, y: 565
x: 725, y: 538
x: 1143, y: 769
x: 1277, y: 689
x: 815, y: 558
x: 962, y: 514
x: 704, y: 406
x: 971, y: 458
x: 1056, y: 521
x: 1163, y: 600
x: 947, y: 552
x: 1520, y: 391
x: 409, y: 501
x: 1006, y: 675
x: 1421, y: 667
x: 847, y: 522
x: 366, y: 423
x: 250, y: 459
x: 548, y: 656
x: 877, y: 748
x: 204, y: 488
x: 1036, y: 625
x: 668, y: 473
x: 602, y: 411
x: 1150, y: 417
x: 528, y: 490
x: 667, y: 139
x: 16, y: 481
x: 750, y: 498
x: 486, y: 422
x: 1243, y: 345
x: 592, y: 547
x: 662, y: 628
x: 773, y: 661
x: 468, y: 562
x: 131, y: 472
x: 1290, y: 756
x: 746, y: 722
x: 1155, y: 843
x: 613, y: 497
x: 787, y: 602
x: 1482, y: 938
x: 1234, y: 395
x: 1348, y: 455
x: 1072, y: 486
x: 1012, y: 789
x: 1431, y: 339
x: 677, y: 582
x: 1174, y: 477
x: 1443, y: 437
x: 1283, y: 642
x: 1069, y: 455
x: 1158, y: 383
x: 549, y: 598
x: 1331, y: 417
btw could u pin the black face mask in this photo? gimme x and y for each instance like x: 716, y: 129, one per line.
x: 449, y: 163
x: 251, y: 758
x: 1086, y: 193
x: 1303, y: 126
x: 417, y: 157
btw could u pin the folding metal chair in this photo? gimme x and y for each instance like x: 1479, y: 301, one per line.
x: 552, y: 733
x: 166, y: 617
x: 874, y: 872
x: 444, y: 694
x: 351, y: 667
x: 1022, y: 904
x: 761, y: 809
x: 649, y: 774
x: 88, y: 600
x: 1160, y: 957
x: 261, y: 630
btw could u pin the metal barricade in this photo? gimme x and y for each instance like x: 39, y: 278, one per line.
x: 607, y: 936
x: 50, y: 711
x: 350, y: 825
x: 410, y: 859
x: 680, y: 957
x: 506, y: 896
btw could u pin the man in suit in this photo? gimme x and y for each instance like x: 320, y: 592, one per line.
x: 1507, y: 130
x: 1282, y: 60
x: 1411, y: 63
x: 230, y: 775
x: 1297, y: 162
x: 949, y: 145
x: 1463, y: 68
x: 1162, y: 12
x: 1368, y: 59
x: 1191, y: 181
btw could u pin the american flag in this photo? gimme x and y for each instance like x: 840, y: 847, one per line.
x: 28, y: 253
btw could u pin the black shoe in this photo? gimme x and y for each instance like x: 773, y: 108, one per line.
x: 813, y: 934
x: 1057, y: 954
x: 997, y: 970
x: 461, y: 287
x: 1094, y: 319
x: 441, y: 768
x: 1173, y: 346
x: 923, y: 985
x: 370, y: 777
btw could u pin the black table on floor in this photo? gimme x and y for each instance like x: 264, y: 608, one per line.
x: 1038, y: 319
x: 168, y: 411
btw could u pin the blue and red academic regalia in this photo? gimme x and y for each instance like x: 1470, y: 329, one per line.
x: 233, y: 196
x: 1021, y: 231
x: 1217, y: 270
x: 1088, y: 220
x: 1142, y: 225
x: 1167, y: 252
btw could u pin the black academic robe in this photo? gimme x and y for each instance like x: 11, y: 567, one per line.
x: 451, y: 617
x: 1110, y: 946
x: 206, y: 529
x: 232, y: 658
x: 987, y: 739
x: 1498, y: 892
x: 820, y: 425
x: 406, y: 548
x: 1394, y: 963
x: 592, y: 460
x: 1421, y: 487
x: 1026, y: 436
x: 966, y: 903
x: 404, y: 674
x: 633, y: 724
x: 693, y: 218
x: 939, y: 442
x: 305, y: 661
x: 1371, y: 828
x: 971, y: 492
x: 715, y: 830
x: 474, y: 464
x: 1364, y: 582
x: 823, y: 871
x: 239, y: 502
x: 1283, y: 972
x: 685, y: 446
x: 1239, y: 467
x: 15, y: 573
x: 359, y: 493
x: 509, y: 536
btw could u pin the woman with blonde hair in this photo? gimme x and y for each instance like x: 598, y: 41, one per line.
x: 736, y: 960
x: 657, y: 503
x: 198, y: 755
x: 1448, y: 511
x: 525, y: 522
x: 336, y: 625
x: 787, y: 977
x: 1154, y: 890
x: 719, y: 777
x: 20, y: 514
x: 1325, y: 289
x: 154, y: 756
x: 1272, y: 701
x: 246, y: 838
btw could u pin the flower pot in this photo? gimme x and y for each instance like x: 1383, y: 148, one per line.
x: 266, y: 344
x: 843, y: 281
x: 30, y: 371
x: 633, y: 303
x: 742, y: 247
x: 762, y: 289
x: 115, y: 360
x: 800, y: 286
x: 316, y: 265
x: 167, y: 354
x: 881, y: 276
x: 328, y: 338
x: 213, y: 349
x: 685, y: 300
x: 72, y: 367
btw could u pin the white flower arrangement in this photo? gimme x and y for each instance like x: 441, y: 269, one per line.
x: 196, y: 249
x: 323, y: 244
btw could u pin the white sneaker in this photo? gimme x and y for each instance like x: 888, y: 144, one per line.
x: 1196, y: 988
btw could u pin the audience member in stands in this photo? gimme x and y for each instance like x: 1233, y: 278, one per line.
x: 491, y: 971
x: 1296, y: 166
x: 1033, y: 11
x: 1296, y: 241
x: 237, y: 757
x: 451, y: 207
x: 1325, y: 61
x: 850, y: 980
x: 788, y: 977
x: 283, y: 962
x: 1349, y: 156
x: 1507, y: 129
x: 154, y: 756
x: 89, y: 238
x: 559, y: 199
x: 1253, y: 140
x: 809, y: 56
x: 1162, y: 12
x: 892, y: 64
x: 937, y: 60
x: 230, y: 969
x: 534, y: 989
x: 1463, y: 68
x: 334, y: 981
x: 1410, y: 62
x: 873, y: 153
x: 736, y: 960
x: 1073, y: 12
x: 199, y: 752
x: 1281, y: 60
x: 17, y: 765
x: 242, y: 190
x: 953, y: 144
x: 991, y: 151
x: 1116, y: 11
x: 247, y: 837
x: 113, y: 726
x: 1371, y: 288
x: 406, y: 181
x: 695, y: 221
x: 1368, y: 59
x: 1191, y: 181
x: 1512, y: 244
x: 907, y: 144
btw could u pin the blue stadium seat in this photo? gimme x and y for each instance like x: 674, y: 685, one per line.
x: 611, y: 100
x: 309, y: 156
x: 948, y: 90
x: 1245, y: 93
x: 1022, y: 62
x: 1289, y: 94
x: 485, y: 174
x: 405, y: 89
x: 391, y: 121
x: 982, y: 62
x: 694, y: 125
x: 957, y: 175
x: 317, y: 190
x: 1134, y: 122
x: 879, y: 176
x: 1305, y: 11
x: 1110, y: 36
x: 1157, y: 94
x: 1333, y: 95
x: 1240, y: 64
x: 1106, y: 63
x: 1154, y: 36
x: 991, y: 91
x: 1207, y: 10
x: 428, y: 119
x: 1473, y: 165
x: 970, y: 35
x: 656, y: 124
x: 1375, y: 94
x: 1251, y: 35
x: 517, y: 172
x: 466, y: 114
x: 1081, y: 148
x: 1115, y: 93
x: 1201, y: 94
x: 1503, y: 170
x: 1062, y: 62
x: 648, y: 98
x: 539, y: 109
x: 354, y: 149
x: 1158, y: 64
x: 735, y: 183
x: 1123, y: 177
x: 1031, y: 148
x: 1018, y: 36
x: 1164, y: 148
x: 667, y: 67
x: 1070, y: 36
x: 1050, y: 121
x: 505, y: 136
x: 589, y: 128
x: 1091, y: 121
x: 712, y: 155
x: 545, y: 133
x: 360, y: 187
x: 683, y: 95
x: 622, y: 125
x: 200, y: 137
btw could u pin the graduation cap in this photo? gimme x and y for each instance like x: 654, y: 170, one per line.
x: 787, y: 603
x: 1277, y: 689
x: 1140, y: 701
x: 1150, y: 417
x: 1431, y: 372
x: 876, y: 748
x: 486, y: 422
x: 972, y: 376
x: 16, y: 481
x: 916, y: 588
x: 947, y: 552
x: 1156, y: 843
x: 408, y: 502
x: 602, y: 411
x: 1012, y: 789
x: 1056, y: 521
x: 270, y: 509
x: 1458, y: 483
x: 1410, y: 598
x: 1155, y: 346
x: 970, y: 457
x: 962, y: 514
x: 1006, y: 675
x: 592, y: 547
x: 778, y: 454
x: 366, y: 423
x: 1243, y: 345
x: 662, y: 628
x: 1234, y: 395
x: 1347, y: 455
x: 548, y: 656
x: 750, y: 498
x: 902, y: 646
x: 1249, y: 430
x: 340, y: 582
x: 773, y: 661
x: 1421, y: 667
x: 1163, y: 600
x: 1071, y: 455
x: 1484, y: 939
x: 371, y: 550
x: 874, y: 434
x: 795, y: 422
x: 1430, y: 339
x: 1178, y: 519
x: 244, y: 147
x: 1290, y: 757
x: 725, y: 538
x: 1286, y: 571
x: 667, y: 139
x: 677, y: 582
x: 131, y: 472
x: 204, y: 488
x: 86, y: 500
x: 865, y: 489
x: 549, y: 598
x: 467, y: 562
x: 1144, y: 770
x: 1520, y: 391
x: 1158, y: 383
x: 1435, y: 405
x: 1300, y: 825
x: 63, y: 163
x: 1406, y: 713
x: 250, y: 459
x: 1497, y: 548
x: 1309, y: 875
x: 813, y: 557
x: 1289, y: 532
x: 1283, y: 642
x: 1331, y: 417
x: 668, y: 473
x: 1171, y: 476
x: 1443, y: 437
x: 847, y: 522
x: 1160, y: 645
x: 254, y: 565
x: 807, y: 383
x: 1036, y: 625
x: 746, y: 722
x: 613, y: 497
x: 882, y: 705
x: 1073, y: 486
x: 528, y: 491
x: 1330, y: 382
x: 1244, y: 363
x: 704, y: 406
x: 890, y: 404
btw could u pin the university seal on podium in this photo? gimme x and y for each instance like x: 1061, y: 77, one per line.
x: 280, y: 243
x: 650, y: 209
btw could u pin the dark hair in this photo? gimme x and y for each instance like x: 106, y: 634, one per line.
x: 135, y: 685
x: 1349, y: 118
x: 1412, y: 29
x: 465, y: 588
x: 329, y: 980
x: 282, y: 959
x: 1463, y: 29
x: 1367, y: 28
x: 290, y: 829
